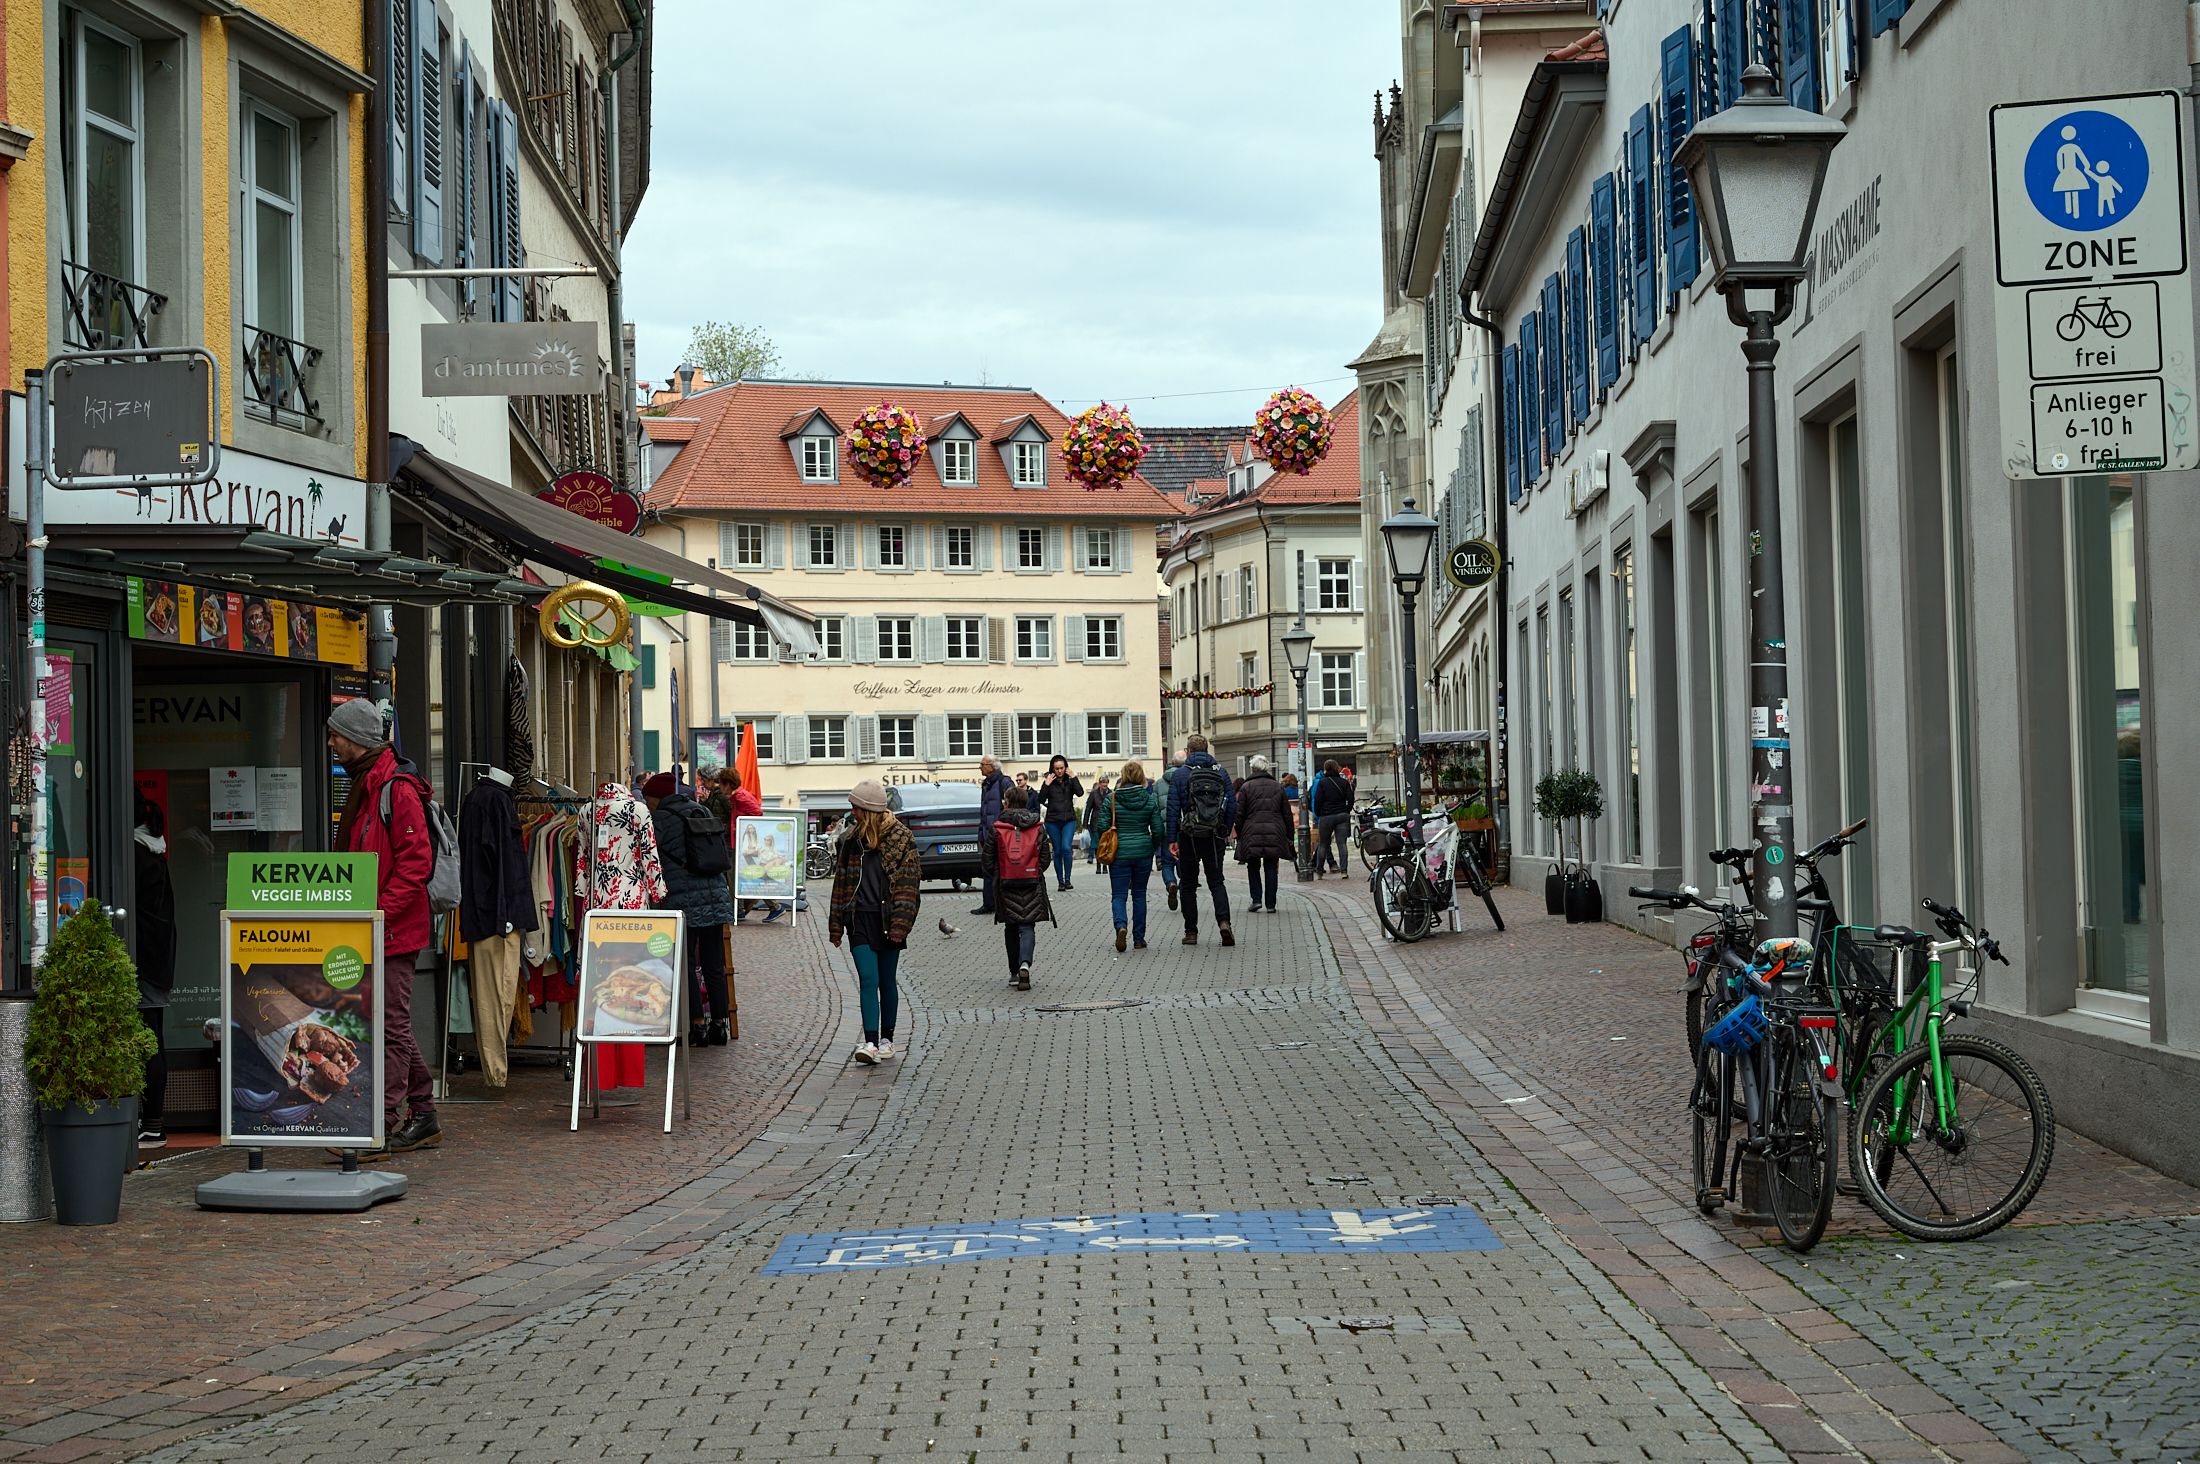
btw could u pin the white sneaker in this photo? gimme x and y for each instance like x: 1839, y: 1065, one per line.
x: 885, y: 1051
x: 867, y: 1053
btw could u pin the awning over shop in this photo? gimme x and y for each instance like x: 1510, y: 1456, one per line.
x: 261, y: 562
x: 546, y: 533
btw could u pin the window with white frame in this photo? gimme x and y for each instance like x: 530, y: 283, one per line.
x: 897, y: 638
x: 1333, y: 584
x: 767, y: 737
x: 1099, y: 548
x: 897, y: 739
x: 274, y: 251
x: 1034, y: 637
x: 1335, y: 690
x: 1031, y: 548
x: 965, y: 638
x: 832, y: 637
x: 1246, y: 597
x: 1031, y: 464
x: 1034, y: 734
x: 893, y: 547
x: 750, y: 643
x: 958, y: 461
x: 748, y: 546
x: 106, y: 174
x: 966, y: 736
x: 962, y: 547
x: 828, y: 739
x: 824, y: 546
x: 1103, y: 637
x: 1104, y: 734
x: 1248, y: 675
x: 817, y: 460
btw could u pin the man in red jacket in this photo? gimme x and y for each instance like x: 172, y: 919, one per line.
x: 405, y: 857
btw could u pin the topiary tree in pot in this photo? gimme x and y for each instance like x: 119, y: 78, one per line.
x: 1580, y: 797
x: 1550, y: 806
x: 85, y: 1053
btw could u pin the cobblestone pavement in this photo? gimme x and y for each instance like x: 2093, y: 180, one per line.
x: 1247, y: 1080
x: 177, y: 1317
x: 2070, y: 1341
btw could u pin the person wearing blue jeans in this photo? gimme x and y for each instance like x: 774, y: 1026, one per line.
x: 1134, y: 810
x: 876, y: 871
x: 1056, y: 798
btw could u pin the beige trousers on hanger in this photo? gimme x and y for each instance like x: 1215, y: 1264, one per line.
x: 496, y: 987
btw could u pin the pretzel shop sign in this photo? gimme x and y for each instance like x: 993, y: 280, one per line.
x: 595, y: 498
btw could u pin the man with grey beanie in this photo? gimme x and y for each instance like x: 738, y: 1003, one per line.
x: 405, y: 858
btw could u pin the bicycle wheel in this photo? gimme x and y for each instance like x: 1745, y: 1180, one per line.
x: 1799, y: 1163
x: 1481, y: 886
x: 1692, y: 1008
x: 1405, y: 915
x: 1960, y: 1178
x: 1711, y: 1106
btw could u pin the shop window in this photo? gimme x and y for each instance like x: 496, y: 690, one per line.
x: 2108, y: 701
x: 1623, y: 569
x: 1544, y: 719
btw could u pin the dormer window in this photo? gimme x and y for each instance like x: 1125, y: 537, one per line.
x: 814, y: 440
x: 958, y: 461
x: 1022, y: 442
x: 1031, y: 464
x: 818, y: 460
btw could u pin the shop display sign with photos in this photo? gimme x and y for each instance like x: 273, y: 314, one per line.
x: 176, y: 614
x: 764, y: 866
x: 628, y: 989
x: 301, y: 1033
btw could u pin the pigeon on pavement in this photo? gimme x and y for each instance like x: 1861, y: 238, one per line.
x: 948, y: 930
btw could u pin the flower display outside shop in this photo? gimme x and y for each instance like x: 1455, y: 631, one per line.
x: 1292, y: 431
x: 1103, y: 446
x: 884, y: 444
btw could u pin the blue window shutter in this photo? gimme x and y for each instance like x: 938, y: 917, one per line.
x: 1553, y: 335
x: 1511, y: 420
x: 1643, y: 210
x: 465, y: 252
x: 1531, y: 410
x: 429, y: 107
x: 1885, y: 13
x: 1577, y: 321
x: 1679, y: 70
x: 401, y: 57
x: 1764, y: 24
x: 1732, y: 39
x: 1799, y: 50
x: 1707, y: 69
x: 1604, y: 273
x: 511, y: 253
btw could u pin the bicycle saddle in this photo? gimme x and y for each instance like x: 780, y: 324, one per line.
x: 1901, y: 935
x: 1734, y: 858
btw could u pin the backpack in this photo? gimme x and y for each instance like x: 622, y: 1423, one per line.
x: 708, y: 850
x: 1019, y: 852
x: 1206, y: 800
x: 443, y: 883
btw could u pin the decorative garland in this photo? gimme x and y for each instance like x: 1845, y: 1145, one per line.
x: 1171, y: 694
x: 1292, y: 431
x: 1103, y: 446
x: 884, y: 444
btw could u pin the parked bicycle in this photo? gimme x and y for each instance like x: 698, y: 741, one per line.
x: 1414, y: 880
x: 818, y: 858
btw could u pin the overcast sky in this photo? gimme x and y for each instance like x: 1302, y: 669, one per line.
x: 1130, y: 200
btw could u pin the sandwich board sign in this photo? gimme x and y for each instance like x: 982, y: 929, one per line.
x: 2092, y: 262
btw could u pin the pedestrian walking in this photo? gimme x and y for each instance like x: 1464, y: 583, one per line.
x: 693, y: 847
x: 1134, y: 810
x: 1016, y: 862
x: 1165, y: 857
x: 1202, y: 810
x: 387, y: 816
x: 876, y: 872
x: 1331, y: 801
x: 1058, y: 795
x: 1263, y: 831
x: 1090, y: 821
x: 993, y: 786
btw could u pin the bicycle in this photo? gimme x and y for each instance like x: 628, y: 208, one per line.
x: 818, y: 859
x: 2101, y: 315
x: 1940, y: 1112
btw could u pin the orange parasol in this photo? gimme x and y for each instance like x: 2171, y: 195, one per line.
x: 744, y: 761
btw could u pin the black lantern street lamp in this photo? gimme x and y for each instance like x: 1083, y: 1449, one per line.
x: 1408, y: 536
x: 1757, y: 169
x: 1298, y: 651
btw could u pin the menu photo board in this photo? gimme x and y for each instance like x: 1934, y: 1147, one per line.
x: 301, y: 1031
x: 170, y: 612
x: 633, y: 988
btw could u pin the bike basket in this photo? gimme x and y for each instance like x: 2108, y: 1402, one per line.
x: 1741, y: 1029
x: 1380, y: 842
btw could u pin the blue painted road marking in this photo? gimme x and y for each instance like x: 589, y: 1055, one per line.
x: 1439, y: 1228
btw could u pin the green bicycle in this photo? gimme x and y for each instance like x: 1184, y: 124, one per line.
x: 1950, y: 1137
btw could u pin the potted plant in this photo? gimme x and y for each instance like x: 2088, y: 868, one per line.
x: 1571, y: 793
x: 85, y: 1054
x: 1550, y: 806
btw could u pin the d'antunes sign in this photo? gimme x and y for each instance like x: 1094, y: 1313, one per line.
x: 537, y: 358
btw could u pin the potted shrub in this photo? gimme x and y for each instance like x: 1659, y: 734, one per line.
x: 85, y: 1054
x: 1575, y: 794
x: 1550, y: 807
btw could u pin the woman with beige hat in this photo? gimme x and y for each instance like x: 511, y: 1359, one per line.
x: 875, y: 876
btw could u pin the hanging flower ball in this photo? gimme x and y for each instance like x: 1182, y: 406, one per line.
x: 884, y: 444
x: 1292, y: 431
x: 1103, y: 446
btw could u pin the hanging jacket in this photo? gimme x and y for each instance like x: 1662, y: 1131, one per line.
x: 1263, y: 819
x: 494, y: 898
x: 1136, y: 815
x: 703, y: 898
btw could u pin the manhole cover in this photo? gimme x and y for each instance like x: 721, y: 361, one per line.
x: 1093, y: 1006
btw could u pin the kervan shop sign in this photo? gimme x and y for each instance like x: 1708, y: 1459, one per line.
x: 537, y: 358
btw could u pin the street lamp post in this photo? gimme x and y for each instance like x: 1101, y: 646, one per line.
x: 1408, y: 536
x: 1756, y: 170
x: 1298, y: 650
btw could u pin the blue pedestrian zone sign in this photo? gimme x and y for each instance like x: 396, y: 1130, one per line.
x: 1439, y: 1228
x: 2086, y: 170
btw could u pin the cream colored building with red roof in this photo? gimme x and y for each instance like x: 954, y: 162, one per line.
x: 1240, y: 564
x: 990, y: 605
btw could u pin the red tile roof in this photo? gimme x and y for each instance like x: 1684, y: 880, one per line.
x: 670, y: 429
x: 736, y: 458
x: 1336, y: 479
x: 1588, y: 48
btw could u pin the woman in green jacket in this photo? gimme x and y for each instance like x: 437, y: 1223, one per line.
x: 1137, y: 811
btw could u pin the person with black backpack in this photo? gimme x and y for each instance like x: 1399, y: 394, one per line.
x: 692, y: 845
x: 1202, y: 811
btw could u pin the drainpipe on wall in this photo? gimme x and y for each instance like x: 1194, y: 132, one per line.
x: 381, y: 618
x: 607, y: 83
x: 1495, y: 605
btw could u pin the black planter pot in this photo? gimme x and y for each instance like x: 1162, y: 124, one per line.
x: 89, y: 1150
x: 1584, y: 900
x: 1554, y: 892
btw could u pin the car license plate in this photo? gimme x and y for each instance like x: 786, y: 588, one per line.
x: 957, y: 848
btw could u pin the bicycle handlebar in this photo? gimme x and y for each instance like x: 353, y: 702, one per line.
x: 1679, y: 900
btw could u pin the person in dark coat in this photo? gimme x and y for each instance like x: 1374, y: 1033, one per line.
x: 993, y: 786
x: 700, y: 894
x: 1021, y: 899
x: 1263, y: 831
x: 1331, y: 804
x: 1059, y: 791
x: 155, y: 910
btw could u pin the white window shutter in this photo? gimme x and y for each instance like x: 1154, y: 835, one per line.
x: 726, y: 543
x: 1359, y: 585
x: 429, y: 108
x: 1051, y: 557
x: 1074, y: 745
x: 996, y: 639
x: 721, y: 640
x: 939, y: 545
x: 794, y: 739
x: 1073, y: 638
x: 866, y: 646
x: 912, y: 546
x: 1252, y: 593
x: 1123, y: 551
x: 1359, y: 679
x: 981, y: 538
x: 846, y: 557
x: 932, y: 737
x: 1058, y: 733
x: 1138, y: 734
x: 1001, y: 735
x: 866, y: 543
x: 933, y: 633
x: 775, y: 536
x: 867, y: 739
